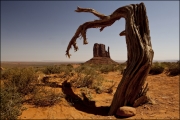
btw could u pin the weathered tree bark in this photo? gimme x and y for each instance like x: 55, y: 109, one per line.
x: 139, y: 49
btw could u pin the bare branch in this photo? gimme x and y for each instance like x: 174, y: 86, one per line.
x: 123, y: 33
x: 101, y: 16
x: 102, y: 23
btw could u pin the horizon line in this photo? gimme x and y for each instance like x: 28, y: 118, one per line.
x: 167, y: 60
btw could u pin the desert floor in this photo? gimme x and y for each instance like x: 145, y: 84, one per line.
x: 163, y: 91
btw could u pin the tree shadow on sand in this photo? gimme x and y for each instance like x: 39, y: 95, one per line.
x: 84, y: 105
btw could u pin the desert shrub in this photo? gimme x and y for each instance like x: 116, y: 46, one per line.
x: 97, y: 84
x: 38, y: 68
x: 58, y: 69
x: 105, y: 69
x: 83, y: 81
x: 88, y: 77
x: 173, y: 69
x: 92, y: 82
x: 11, y: 102
x: 85, y: 76
x: 96, y: 67
x: 119, y: 67
x: 86, y: 70
x: 23, y: 79
x: 43, y: 98
x: 67, y: 69
x: 156, y: 68
x: 108, y: 68
x: 166, y: 64
x: 69, y: 65
x: 51, y: 69
x: 6, y: 74
x: 122, y: 67
x: 19, y: 82
x: 82, y: 68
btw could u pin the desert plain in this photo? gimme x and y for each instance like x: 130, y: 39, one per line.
x: 89, y: 95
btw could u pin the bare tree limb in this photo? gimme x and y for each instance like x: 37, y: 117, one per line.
x: 102, y: 23
x: 101, y: 16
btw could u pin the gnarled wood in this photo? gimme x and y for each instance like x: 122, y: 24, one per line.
x: 139, y: 49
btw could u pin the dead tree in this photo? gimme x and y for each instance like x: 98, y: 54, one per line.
x: 139, y: 50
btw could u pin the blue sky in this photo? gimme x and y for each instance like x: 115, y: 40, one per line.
x: 41, y: 30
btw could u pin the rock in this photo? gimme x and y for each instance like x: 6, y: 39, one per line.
x: 100, y: 55
x: 126, y: 111
x: 99, y: 51
x: 108, y: 53
x: 102, y: 51
x: 96, y: 50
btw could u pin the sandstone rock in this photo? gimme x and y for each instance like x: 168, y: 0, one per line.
x: 102, y: 50
x: 108, y: 53
x: 126, y: 111
x: 99, y: 51
x: 96, y: 50
x: 100, y: 55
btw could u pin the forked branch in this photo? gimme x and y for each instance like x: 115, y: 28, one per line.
x: 101, y: 16
x: 102, y: 23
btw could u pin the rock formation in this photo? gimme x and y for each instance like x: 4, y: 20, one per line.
x: 100, y: 55
x: 99, y: 51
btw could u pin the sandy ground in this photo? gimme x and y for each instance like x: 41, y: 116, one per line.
x: 163, y: 91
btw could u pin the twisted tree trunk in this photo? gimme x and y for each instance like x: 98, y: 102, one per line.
x: 139, y: 49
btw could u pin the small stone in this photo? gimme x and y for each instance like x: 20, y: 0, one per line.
x: 126, y: 111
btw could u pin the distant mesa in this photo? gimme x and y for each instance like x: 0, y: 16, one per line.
x: 100, y: 55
